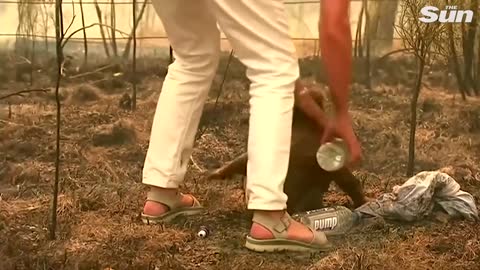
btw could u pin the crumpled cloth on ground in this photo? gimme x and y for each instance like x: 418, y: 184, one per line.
x: 421, y: 195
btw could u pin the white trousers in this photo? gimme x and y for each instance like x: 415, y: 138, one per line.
x: 258, y: 31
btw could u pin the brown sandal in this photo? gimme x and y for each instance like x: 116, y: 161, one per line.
x: 174, y: 205
x: 280, y: 241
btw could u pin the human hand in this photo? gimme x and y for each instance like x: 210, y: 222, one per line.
x: 341, y: 127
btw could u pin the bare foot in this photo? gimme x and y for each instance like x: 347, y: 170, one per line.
x: 296, y: 231
x: 154, y: 208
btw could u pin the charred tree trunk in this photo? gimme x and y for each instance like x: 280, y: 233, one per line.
x: 371, y: 23
x: 136, y: 20
x: 59, y: 34
x: 134, y: 62
x: 45, y: 26
x: 19, y: 38
x: 413, y: 118
x: 113, y: 23
x: 358, y: 35
x: 102, y: 32
x: 469, y: 49
x: 454, y: 59
x: 368, y: 82
x: 382, y: 23
x: 477, y: 75
x: 85, y: 41
x: 33, y: 59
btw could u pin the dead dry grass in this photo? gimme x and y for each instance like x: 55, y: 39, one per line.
x: 103, y: 148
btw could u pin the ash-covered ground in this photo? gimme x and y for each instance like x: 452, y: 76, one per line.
x: 103, y: 147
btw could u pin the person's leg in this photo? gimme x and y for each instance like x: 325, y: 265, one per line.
x: 192, y: 31
x: 259, y: 34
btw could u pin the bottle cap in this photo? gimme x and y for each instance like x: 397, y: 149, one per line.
x: 203, y: 232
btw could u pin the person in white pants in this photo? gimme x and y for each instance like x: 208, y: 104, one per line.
x: 258, y: 32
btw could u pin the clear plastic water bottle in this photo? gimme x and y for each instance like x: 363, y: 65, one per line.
x: 332, y: 156
x: 336, y: 220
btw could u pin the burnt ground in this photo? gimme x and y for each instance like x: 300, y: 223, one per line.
x: 103, y: 148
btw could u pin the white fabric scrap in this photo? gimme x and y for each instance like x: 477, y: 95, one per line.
x: 419, y: 196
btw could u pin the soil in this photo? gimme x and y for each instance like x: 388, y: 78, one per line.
x: 103, y: 147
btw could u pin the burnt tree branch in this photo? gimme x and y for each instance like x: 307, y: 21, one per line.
x: 21, y: 93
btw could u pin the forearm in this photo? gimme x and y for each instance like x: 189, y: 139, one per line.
x: 336, y: 50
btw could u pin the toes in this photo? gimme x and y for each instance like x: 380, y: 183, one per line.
x: 188, y: 199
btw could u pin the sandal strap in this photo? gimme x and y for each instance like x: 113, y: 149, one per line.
x: 277, y: 227
x: 170, y: 201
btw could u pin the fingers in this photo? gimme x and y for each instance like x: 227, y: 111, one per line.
x: 342, y: 129
x: 326, y: 136
x: 355, y: 155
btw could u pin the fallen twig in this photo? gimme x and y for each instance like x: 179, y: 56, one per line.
x: 406, y: 50
x: 24, y: 59
x: 20, y: 93
x: 66, y: 39
x: 91, y: 72
x: 11, y: 123
x: 196, y: 165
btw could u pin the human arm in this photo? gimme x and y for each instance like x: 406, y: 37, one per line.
x: 336, y: 50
